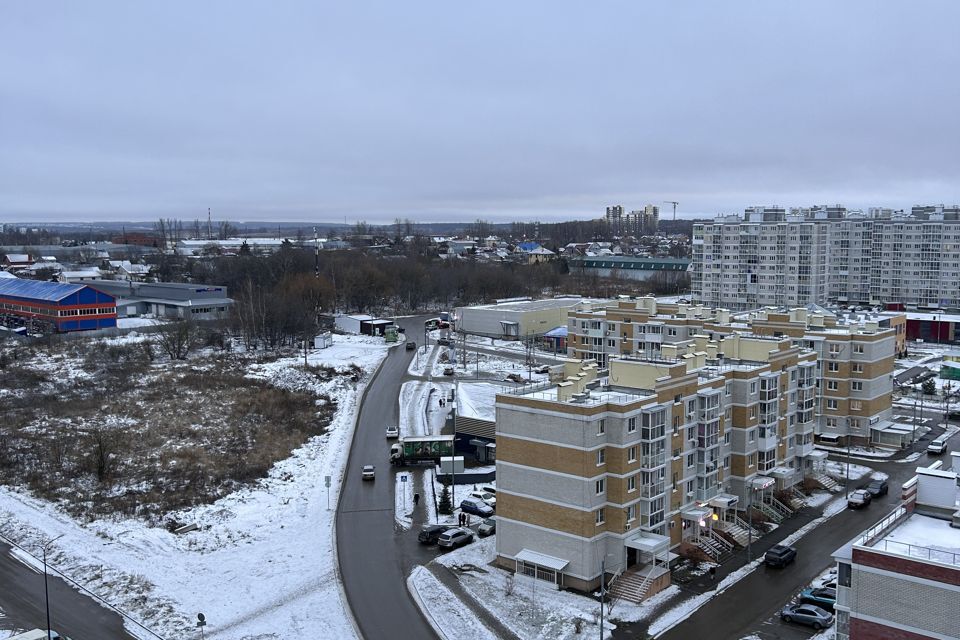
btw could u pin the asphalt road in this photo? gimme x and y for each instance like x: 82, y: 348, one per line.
x: 768, y: 590
x: 375, y: 558
x: 71, y: 613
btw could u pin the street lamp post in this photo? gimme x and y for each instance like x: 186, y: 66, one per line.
x: 46, y: 591
x: 750, y: 524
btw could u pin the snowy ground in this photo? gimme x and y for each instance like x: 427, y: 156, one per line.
x: 420, y: 410
x: 860, y: 452
x: 245, y: 567
x: 447, y: 616
x: 130, y: 323
x: 839, y: 470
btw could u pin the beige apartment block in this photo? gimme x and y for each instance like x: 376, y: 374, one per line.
x: 623, y: 466
x: 855, y: 353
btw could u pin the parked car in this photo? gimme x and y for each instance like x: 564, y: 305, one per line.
x: 477, y: 507
x: 823, y: 597
x: 443, y: 342
x: 448, y: 371
x: 937, y: 447
x: 544, y: 369
x: 488, y: 498
x: 514, y: 377
x: 808, y: 614
x: 492, y: 490
x: 859, y: 498
x: 826, y: 580
x: 456, y: 537
x: 411, y: 345
x: 877, y: 488
x: 779, y: 555
x: 431, y: 533
x: 393, y: 431
x: 487, y: 528
x: 369, y: 471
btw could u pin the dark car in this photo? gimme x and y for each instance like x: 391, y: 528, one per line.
x: 780, y: 555
x: 477, y: 507
x: 824, y: 598
x: 443, y: 342
x: 877, y: 488
x: 808, y: 614
x: 431, y: 533
x: 411, y: 345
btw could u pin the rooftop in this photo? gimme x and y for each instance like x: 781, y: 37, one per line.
x: 532, y: 305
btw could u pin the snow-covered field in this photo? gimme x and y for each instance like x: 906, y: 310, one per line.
x: 262, y: 565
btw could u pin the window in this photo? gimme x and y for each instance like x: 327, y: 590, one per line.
x: 858, y: 348
x: 856, y: 385
x: 690, y: 460
x: 601, y: 427
x: 857, y: 367
x: 753, y: 388
x: 632, y: 483
x: 599, y: 517
x: 832, y: 385
x: 751, y: 435
x: 631, y: 513
x: 631, y: 454
x: 752, y: 460
x: 856, y: 405
x: 834, y: 348
x: 611, y: 342
x: 843, y: 574
x: 753, y: 412
x: 833, y: 367
x: 831, y: 404
x: 601, y: 486
x: 631, y: 425
x: 671, y: 332
x: 601, y: 456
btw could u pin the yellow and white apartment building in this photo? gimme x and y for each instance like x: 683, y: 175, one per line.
x: 623, y: 467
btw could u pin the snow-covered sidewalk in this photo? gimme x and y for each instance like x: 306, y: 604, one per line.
x: 263, y: 562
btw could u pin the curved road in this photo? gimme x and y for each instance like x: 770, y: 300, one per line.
x: 375, y: 557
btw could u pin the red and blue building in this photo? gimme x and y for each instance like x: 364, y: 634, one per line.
x: 55, y: 307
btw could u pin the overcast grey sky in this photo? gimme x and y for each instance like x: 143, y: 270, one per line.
x: 450, y: 111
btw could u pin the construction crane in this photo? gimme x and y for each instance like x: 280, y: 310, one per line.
x: 674, y: 207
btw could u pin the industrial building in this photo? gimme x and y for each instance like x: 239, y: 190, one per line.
x: 515, y: 318
x: 664, y: 270
x: 166, y: 299
x: 54, y: 307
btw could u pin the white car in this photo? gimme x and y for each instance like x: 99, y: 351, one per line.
x: 937, y: 447
x: 369, y: 472
x: 488, y: 498
x: 393, y: 431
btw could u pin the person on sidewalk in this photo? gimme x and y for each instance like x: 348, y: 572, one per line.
x: 713, y: 574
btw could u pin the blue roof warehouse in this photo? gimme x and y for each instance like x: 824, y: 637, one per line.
x: 54, y: 307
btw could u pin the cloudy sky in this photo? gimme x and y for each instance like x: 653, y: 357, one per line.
x: 547, y: 110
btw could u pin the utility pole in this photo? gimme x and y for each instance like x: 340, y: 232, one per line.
x: 46, y: 592
x: 603, y: 592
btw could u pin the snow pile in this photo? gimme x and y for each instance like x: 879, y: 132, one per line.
x: 478, y: 400
x: 446, y: 615
x: 245, y: 566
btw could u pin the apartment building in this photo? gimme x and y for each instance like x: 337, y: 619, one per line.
x: 901, y: 577
x: 855, y: 353
x: 827, y: 254
x: 619, y: 468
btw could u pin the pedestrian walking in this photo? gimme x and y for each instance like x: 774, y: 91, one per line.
x: 713, y: 574
x: 416, y: 499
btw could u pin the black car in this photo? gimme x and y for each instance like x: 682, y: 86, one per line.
x: 780, y: 555
x: 411, y: 345
x: 431, y: 533
x: 877, y: 488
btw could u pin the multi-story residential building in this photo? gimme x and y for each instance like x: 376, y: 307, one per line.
x: 855, y: 353
x: 616, y: 470
x: 826, y: 254
x: 913, y: 554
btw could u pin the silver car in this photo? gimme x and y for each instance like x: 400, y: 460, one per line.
x: 807, y: 614
x: 487, y: 527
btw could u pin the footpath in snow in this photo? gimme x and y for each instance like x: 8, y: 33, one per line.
x: 262, y: 564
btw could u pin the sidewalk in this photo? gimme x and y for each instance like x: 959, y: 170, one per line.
x: 452, y: 582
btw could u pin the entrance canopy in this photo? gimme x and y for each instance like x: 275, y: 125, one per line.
x: 543, y: 560
x: 817, y: 455
x: 651, y: 543
x: 781, y: 472
x: 697, y: 514
x: 724, y: 501
x: 761, y: 483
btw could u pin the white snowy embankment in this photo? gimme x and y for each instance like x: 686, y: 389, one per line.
x: 447, y: 615
x: 262, y: 565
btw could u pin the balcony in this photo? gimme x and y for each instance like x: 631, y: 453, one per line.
x: 801, y: 450
x: 652, y: 490
x: 653, y: 460
x: 766, y: 443
x: 706, y: 494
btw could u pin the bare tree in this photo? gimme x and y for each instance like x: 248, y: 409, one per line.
x: 178, y: 339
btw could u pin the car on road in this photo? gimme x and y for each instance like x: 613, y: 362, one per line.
x: 369, y: 471
x: 477, y: 507
x: 808, y: 614
x: 937, y: 447
x: 448, y: 371
x: 443, y: 342
x: 487, y: 528
x: 877, y: 488
x: 859, y: 498
x: 456, y: 537
x: 544, y: 369
x: 823, y: 597
x: 432, y: 532
x: 488, y: 498
x: 779, y: 555
x: 411, y: 345
x: 393, y: 431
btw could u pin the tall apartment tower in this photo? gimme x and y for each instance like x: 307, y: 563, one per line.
x: 614, y: 218
x: 827, y: 254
